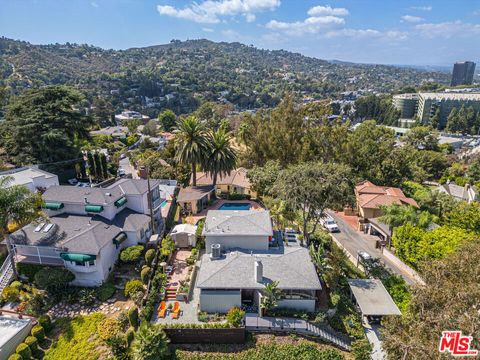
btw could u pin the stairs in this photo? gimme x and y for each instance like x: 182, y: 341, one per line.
x: 171, y: 293
x: 340, y: 341
x: 6, y: 273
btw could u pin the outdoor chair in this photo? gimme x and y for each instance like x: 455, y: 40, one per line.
x: 176, y: 310
x: 162, y: 310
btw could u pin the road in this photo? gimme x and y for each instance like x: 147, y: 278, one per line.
x: 354, y: 241
x: 128, y: 167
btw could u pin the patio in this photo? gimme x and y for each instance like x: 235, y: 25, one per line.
x: 193, y: 219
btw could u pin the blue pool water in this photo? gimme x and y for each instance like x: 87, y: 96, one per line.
x: 235, y: 206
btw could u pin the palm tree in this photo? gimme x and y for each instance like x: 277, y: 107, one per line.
x: 191, y: 144
x: 150, y: 343
x: 18, y: 206
x: 222, y: 158
x: 271, y: 294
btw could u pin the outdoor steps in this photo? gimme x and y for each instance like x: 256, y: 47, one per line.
x: 171, y: 293
x: 6, y: 274
x: 328, y: 336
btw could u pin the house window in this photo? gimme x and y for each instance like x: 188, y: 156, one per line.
x: 142, y: 234
x: 298, y: 295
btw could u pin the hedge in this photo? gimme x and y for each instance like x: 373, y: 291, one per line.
x: 149, y: 256
x: 24, y: 351
x: 133, y: 317
x: 105, y: 291
x: 32, y: 342
x: 145, y: 274
x: 45, y: 322
x: 131, y: 254
x: 38, y: 332
x: 28, y: 270
x: 132, y: 287
x: 15, y: 357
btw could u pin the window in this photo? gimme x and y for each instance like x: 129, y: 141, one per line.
x: 298, y: 295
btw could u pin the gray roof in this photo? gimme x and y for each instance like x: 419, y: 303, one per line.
x: 97, y: 195
x: 192, y: 193
x: 80, y: 233
x: 238, y: 222
x: 24, y: 175
x: 293, y: 269
x: 457, y: 191
x: 372, y: 297
x: 134, y: 186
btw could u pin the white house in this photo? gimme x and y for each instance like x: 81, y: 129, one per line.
x: 184, y: 235
x: 238, y: 229
x: 88, y: 227
x: 32, y: 178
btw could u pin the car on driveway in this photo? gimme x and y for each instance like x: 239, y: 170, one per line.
x: 329, y: 224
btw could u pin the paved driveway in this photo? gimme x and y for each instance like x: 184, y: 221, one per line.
x: 128, y: 167
x: 354, y: 241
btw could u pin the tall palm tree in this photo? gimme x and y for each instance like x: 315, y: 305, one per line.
x: 18, y: 206
x: 191, y: 144
x: 222, y: 158
x: 150, y: 343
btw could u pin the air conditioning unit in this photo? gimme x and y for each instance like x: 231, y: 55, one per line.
x: 216, y: 251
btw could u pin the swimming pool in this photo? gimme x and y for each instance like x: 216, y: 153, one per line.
x: 235, y: 206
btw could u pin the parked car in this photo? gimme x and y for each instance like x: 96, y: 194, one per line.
x: 290, y: 235
x: 329, y: 224
x: 72, y: 181
x: 82, y: 184
x: 121, y: 172
x: 123, y: 156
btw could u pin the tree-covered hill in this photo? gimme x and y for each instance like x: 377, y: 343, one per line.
x: 179, y: 75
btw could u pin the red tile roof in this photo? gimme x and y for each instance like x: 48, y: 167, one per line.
x: 371, y: 196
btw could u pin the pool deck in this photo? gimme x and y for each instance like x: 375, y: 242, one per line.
x: 193, y: 219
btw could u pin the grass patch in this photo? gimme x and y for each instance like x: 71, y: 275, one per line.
x: 105, y: 291
x: 78, y: 339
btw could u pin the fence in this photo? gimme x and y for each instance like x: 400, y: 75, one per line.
x: 206, y: 336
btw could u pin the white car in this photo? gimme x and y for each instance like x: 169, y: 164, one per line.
x: 290, y: 235
x: 121, y: 172
x: 72, y: 181
x: 329, y: 224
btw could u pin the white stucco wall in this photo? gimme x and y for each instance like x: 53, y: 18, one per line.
x: 219, y: 301
x: 242, y: 242
x: 306, y: 305
x: 11, y: 343
x: 109, y: 211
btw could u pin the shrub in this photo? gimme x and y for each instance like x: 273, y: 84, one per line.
x: 235, y: 316
x: 38, y: 332
x: 132, y: 287
x: 28, y: 270
x: 86, y: 297
x: 32, y: 342
x: 15, y: 357
x: 361, y: 349
x: 145, y: 274
x: 108, y: 329
x: 130, y: 335
x: 24, y: 351
x: 16, y: 285
x: 10, y: 294
x: 45, y: 322
x: 133, y: 316
x: 149, y: 256
x: 105, y: 291
x: 36, y: 304
x: 53, y: 279
x: 131, y: 254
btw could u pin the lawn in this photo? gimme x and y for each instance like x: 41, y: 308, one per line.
x: 78, y: 339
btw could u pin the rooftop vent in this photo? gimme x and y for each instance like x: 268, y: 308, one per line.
x: 47, y: 228
x: 216, y: 251
x: 39, y: 227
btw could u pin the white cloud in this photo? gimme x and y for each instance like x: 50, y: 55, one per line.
x: 94, y: 4
x: 327, y: 10
x: 422, y: 8
x: 449, y: 29
x: 368, y: 33
x: 207, y: 29
x: 210, y: 11
x: 412, y: 19
x: 311, y: 25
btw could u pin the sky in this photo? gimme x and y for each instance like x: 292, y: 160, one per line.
x: 421, y: 32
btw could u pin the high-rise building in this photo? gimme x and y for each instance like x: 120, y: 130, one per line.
x: 463, y: 73
x: 407, y: 105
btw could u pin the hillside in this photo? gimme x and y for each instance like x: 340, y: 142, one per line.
x: 181, y: 74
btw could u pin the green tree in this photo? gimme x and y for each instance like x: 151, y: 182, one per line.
x: 104, y: 165
x: 150, y: 128
x: 167, y: 120
x: 221, y: 158
x: 435, y: 119
x: 263, y: 177
x: 191, y: 144
x: 311, y: 188
x: 150, y: 343
x: 422, y: 137
x: 102, y: 111
x: 98, y: 165
x: 449, y: 300
x: 44, y: 125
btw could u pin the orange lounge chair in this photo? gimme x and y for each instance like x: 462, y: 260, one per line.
x: 176, y: 310
x: 162, y: 310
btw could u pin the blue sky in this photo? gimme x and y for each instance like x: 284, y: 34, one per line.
x: 435, y: 32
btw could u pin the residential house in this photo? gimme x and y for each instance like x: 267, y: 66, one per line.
x: 87, y: 228
x: 237, y: 278
x: 32, y: 178
x: 194, y: 199
x: 236, y: 182
x: 184, y: 235
x: 370, y: 198
x: 126, y: 115
x: 238, y: 229
x: 467, y: 193
x: 117, y: 132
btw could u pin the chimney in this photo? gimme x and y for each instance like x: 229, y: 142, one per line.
x: 258, y: 271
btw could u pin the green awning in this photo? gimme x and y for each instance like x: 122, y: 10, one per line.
x: 53, y: 205
x: 120, y: 202
x: 120, y: 238
x: 77, y: 257
x: 94, y: 208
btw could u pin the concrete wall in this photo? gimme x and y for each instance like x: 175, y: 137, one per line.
x: 242, y: 242
x: 306, y: 305
x: 219, y: 301
x: 9, y: 347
